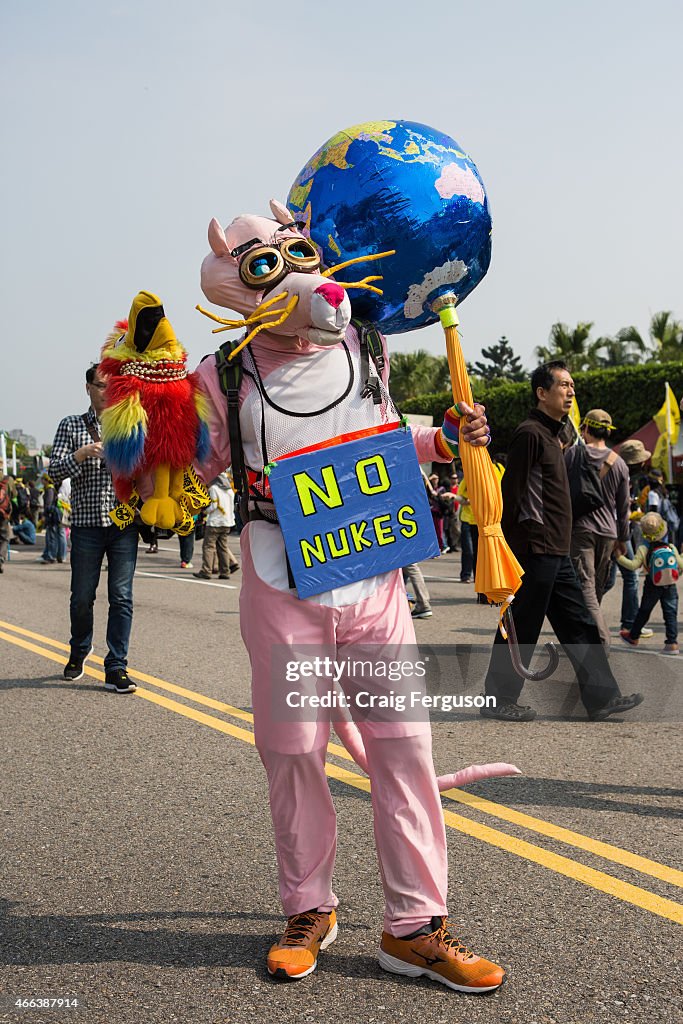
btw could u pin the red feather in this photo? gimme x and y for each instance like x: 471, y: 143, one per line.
x: 172, y: 420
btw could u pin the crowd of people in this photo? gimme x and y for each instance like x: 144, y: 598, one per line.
x: 572, y: 544
x: 574, y: 514
x: 77, y: 497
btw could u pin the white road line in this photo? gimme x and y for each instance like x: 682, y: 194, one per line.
x: 185, y: 579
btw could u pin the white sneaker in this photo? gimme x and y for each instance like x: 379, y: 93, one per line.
x: 186, y: 565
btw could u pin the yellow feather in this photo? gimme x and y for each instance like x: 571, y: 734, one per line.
x: 201, y: 404
x: 123, y: 419
x: 128, y: 353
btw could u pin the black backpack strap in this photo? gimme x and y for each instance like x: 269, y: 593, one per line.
x: 230, y: 378
x: 370, y: 346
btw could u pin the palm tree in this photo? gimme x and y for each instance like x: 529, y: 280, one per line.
x: 665, y: 337
x: 571, y: 345
x: 619, y: 351
x: 417, y: 373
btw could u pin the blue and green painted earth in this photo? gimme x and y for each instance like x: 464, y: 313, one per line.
x: 404, y: 186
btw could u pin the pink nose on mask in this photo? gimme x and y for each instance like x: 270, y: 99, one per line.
x: 332, y: 293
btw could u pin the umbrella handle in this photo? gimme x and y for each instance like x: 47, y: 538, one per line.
x: 517, y: 664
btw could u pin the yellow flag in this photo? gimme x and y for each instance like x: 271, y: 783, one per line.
x: 674, y: 417
x: 575, y: 415
x: 660, y: 456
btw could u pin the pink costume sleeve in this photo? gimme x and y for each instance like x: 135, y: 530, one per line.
x: 423, y: 438
x: 219, y: 457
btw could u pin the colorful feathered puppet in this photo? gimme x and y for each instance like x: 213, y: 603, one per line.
x: 154, y: 423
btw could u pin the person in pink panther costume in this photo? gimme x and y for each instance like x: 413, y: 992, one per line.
x: 303, y: 383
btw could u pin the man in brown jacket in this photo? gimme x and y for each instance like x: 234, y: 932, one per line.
x: 537, y: 523
x: 604, y: 531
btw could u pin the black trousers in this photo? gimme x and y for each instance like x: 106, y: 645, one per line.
x: 550, y: 587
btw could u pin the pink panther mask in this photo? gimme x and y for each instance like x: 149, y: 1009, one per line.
x: 251, y: 245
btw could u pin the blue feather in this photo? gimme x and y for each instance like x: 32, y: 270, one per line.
x: 203, y: 447
x: 125, y: 454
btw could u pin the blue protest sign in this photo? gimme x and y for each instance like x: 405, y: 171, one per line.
x: 353, y: 510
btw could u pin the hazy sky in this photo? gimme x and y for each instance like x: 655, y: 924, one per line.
x: 128, y: 125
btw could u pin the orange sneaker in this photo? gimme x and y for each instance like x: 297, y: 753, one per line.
x: 438, y: 955
x: 296, y: 954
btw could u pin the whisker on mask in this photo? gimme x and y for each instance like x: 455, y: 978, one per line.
x: 363, y: 284
x: 357, y: 259
x: 262, y: 316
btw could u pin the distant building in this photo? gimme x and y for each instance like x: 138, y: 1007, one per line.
x: 28, y: 440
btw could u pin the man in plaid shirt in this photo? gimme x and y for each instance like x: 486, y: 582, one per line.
x: 78, y: 453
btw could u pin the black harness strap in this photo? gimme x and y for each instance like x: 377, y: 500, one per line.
x: 230, y: 377
x: 370, y: 341
x: 370, y: 346
x: 230, y: 373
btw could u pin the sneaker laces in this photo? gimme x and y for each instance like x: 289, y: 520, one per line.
x: 301, y: 928
x: 451, y: 943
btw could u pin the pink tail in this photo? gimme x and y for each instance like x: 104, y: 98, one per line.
x: 474, y: 773
x: 351, y: 738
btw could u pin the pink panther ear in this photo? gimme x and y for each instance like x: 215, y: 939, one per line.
x: 280, y: 212
x: 219, y: 246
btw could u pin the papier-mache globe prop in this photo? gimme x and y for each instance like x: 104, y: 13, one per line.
x: 397, y: 185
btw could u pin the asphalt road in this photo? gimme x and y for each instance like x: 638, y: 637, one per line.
x: 138, y: 865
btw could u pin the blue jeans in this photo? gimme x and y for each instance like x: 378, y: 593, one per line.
x: 629, y: 593
x: 61, y: 544
x: 89, y: 544
x: 55, y: 543
x: 25, y: 531
x: 652, y: 595
x: 186, y: 547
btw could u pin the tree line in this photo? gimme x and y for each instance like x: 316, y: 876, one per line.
x: 414, y: 374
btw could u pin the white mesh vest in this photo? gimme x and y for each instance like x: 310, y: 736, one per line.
x: 303, y: 402
x: 306, y: 401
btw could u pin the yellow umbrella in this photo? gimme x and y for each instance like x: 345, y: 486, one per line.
x: 499, y: 574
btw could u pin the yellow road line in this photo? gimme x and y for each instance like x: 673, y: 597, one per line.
x: 154, y: 698
x: 565, y: 866
x: 546, y: 828
x: 197, y: 716
x: 599, y: 880
x: 181, y: 691
x: 668, y: 909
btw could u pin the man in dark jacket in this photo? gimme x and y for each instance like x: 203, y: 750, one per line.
x: 537, y: 523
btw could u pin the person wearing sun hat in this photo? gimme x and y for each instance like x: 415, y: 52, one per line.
x: 660, y: 584
x: 604, y: 530
x: 635, y: 455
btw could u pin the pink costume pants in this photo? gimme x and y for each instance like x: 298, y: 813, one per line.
x: 408, y: 820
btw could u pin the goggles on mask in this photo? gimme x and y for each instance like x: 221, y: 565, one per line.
x: 266, y: 265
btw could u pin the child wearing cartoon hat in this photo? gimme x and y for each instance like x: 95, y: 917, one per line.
x: 664, y: 565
